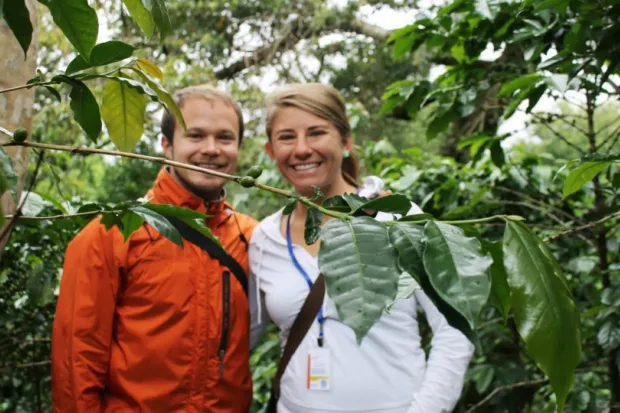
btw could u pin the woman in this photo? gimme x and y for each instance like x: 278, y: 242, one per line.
x: 310, y: 141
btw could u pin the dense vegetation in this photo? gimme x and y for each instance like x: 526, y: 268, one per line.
x: 476, y: 109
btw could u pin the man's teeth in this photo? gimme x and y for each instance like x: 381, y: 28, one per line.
x: 208, y: 166
x: 306, y: 166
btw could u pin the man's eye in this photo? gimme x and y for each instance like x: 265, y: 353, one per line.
x: 193, y: 135
x: 227, y: 137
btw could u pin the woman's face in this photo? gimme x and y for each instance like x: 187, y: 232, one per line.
x: 307, y: 149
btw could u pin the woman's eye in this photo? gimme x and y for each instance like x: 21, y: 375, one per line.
x: 286, y: 137
x: 317, y: 132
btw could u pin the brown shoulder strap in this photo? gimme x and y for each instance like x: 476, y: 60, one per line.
x: 300, y: 327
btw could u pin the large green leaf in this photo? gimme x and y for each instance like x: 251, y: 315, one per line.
x: 160, y: 223
x: 360, y: 269
x: 17, y: 17
x: 457, y: 268
x: 407, y: 286
x: 160, y: 15
x: 123, y: 113
x: 85, y: 109
x: 78, y: 21
x: 581, y: 175
x: 407, y: 239
x: 194, y: 219
x: 141, y: 15
x: 145, y: 71
x: 102, y: 54
x: 543, y: 308
x: 313, y: 225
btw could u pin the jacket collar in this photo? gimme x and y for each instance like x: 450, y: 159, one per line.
x: 167, y: 190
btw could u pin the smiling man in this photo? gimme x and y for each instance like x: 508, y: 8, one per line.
x: 147, y: 326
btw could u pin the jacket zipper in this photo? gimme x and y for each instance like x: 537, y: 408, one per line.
x: 225, y: 319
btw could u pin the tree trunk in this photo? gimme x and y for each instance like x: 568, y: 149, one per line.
x: 16, y: 107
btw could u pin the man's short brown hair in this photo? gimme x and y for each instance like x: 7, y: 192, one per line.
x: 206, y: 92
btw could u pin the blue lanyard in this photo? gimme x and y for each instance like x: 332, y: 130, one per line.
x: 289, y: 244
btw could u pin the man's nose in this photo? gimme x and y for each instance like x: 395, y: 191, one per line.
x: 209, y: 146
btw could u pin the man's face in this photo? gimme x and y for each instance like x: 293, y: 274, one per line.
x: 211, y: 141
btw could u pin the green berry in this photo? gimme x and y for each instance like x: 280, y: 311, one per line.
x: 255, y: 171
x: 247, y: 182
x: 20, y: 135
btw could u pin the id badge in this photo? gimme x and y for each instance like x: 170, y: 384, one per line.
x: 319, y: 369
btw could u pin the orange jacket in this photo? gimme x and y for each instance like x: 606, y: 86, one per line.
x: 138, y: 325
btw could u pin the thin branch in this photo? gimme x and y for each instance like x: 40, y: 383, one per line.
x: 538, y: 202
x: 557, y: 134
x: 61, y: 216
x: 583, y: 227
x: 610, y: 124
x: 18, y: 212
x: 573, y: 124
x: 613, y: 137
x: 31, y: 85
x: 504, y: 388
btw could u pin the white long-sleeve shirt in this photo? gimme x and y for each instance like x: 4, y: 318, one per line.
x: 387, y: 373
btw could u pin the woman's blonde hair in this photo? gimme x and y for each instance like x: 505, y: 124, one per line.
x: 322, y: 101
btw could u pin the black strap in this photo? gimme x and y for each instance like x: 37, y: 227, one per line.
x: 299, y: 329
x: 215, y: 251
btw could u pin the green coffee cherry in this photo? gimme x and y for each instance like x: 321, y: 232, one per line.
x: 255, y: 171
x: 247, y: 182
x: 20, y: 135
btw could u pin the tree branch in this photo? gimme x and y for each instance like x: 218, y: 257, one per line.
x: 583, y: 227
x: 296, y: 32
x: 543, y: 122
x: 503, y: 388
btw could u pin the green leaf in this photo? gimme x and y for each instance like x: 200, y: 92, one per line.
x: 313, y: 225
x: 552, y: 62
x: 608, y: 336
x: 354, y: 201
x: 149, y: 68
x: 337, y: 203
x: 441, y: 122
x: 17, y: 17
x: 78, y: 21
x: 403, y: 45
x: 102, y: 54
x: 34, y: 204
x: 522, y: 82
x: 482, y: 375
x: 290, y: 206
x: 160, y: 17
x: 497, y: 154
x: 54, y: 93
x: 466, y: 209
x: 515, y: 102
x: 392, y: 204
x: 500, y: 291
x: 131, y: 222
x: 123, y: 113
x: 360, y: 269
x: 581, y: 175
x: 544, y: 312
x: 141, y: 15
x: 416, y: 217
x: 85, y: 109
x: 10, y: 177
x: 407, y: 239
x: 162, y: 94
x: 407, y: 286
x: 556, y: 5
x: 600, y: 157
x: 194, y: 219
x: 457, y: 268
x: 160, y: 223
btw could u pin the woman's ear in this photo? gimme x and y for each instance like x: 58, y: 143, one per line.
x: 269, y: 150
x: 348, y: 143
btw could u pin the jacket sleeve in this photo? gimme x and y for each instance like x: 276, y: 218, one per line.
x: 447, y: 364
x: 82, y: 329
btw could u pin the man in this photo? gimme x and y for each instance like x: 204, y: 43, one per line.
x: 147, y: 326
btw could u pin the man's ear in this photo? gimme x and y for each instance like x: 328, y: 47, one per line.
x: 166, y: 145
x: 269, y: 150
